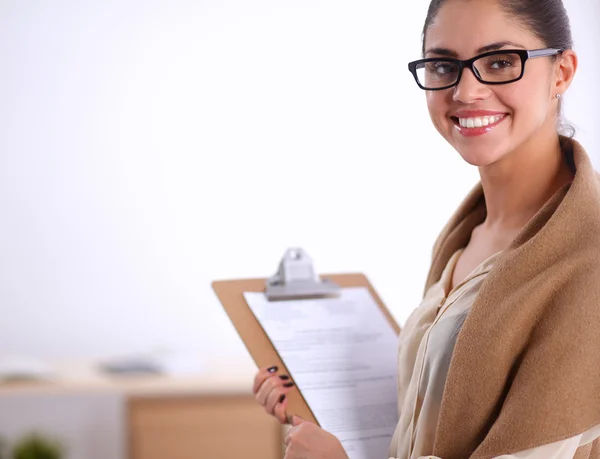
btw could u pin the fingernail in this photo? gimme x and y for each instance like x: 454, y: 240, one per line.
x: 288, y: 384
x: 272, y: 369
x: 284, y: 377
x: 282, y: 398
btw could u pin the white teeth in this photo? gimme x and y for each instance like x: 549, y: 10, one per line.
x: 479, y: 121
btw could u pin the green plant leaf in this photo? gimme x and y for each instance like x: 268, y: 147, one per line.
x: 36, y: 446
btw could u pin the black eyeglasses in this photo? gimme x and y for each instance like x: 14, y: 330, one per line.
x: 495, y: 67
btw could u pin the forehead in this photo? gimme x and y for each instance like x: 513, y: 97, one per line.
x: 464, y: 26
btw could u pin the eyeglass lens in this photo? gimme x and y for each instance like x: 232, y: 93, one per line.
x: 497, y: 68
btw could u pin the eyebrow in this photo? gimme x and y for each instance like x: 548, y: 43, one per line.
x: 491, y: 47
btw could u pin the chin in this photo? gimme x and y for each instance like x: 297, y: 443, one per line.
x: 479, y: 156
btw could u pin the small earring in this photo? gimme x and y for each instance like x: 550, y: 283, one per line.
x: 558, y: 96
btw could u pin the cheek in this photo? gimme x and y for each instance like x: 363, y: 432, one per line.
x: 515, y: 99
x: 527, y: 100
x: 438, y: 108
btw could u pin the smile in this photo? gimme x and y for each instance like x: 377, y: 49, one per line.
x: 479, y: 125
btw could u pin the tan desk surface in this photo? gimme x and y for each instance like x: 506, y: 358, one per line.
x: 224, y: 377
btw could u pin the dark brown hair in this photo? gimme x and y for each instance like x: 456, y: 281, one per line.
x: 547, y: 19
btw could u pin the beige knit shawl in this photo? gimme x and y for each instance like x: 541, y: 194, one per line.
x: 526, y: 367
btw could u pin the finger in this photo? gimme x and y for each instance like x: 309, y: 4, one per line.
x: 272, y: 383
x: 264, y: 390
x: 280, y: 412
x: 297, y: 420
x: 288, y: 436
x: 277, y: 395
x: 261, y: 376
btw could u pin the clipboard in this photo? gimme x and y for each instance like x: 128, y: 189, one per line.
x: 295, y: 279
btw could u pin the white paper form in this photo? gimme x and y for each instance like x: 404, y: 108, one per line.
x: 341, y: 353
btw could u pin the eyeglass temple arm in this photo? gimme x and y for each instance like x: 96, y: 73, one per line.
x: 544, y: 52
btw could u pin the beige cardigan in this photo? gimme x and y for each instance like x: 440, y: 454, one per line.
x: 525, y: 370
x: 426, y: 343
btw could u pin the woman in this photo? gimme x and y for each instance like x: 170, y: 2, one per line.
x: 516, y: 270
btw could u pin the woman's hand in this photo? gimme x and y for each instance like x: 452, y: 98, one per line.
x: 306, y: 440
x: 270, y: 390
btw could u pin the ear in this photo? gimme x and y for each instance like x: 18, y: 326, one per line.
x: 566, y: 67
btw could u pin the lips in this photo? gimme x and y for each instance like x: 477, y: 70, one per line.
x: 472, y: 123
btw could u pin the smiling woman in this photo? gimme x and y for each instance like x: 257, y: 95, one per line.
x: 500, y: 358
x: 499, y: 107
x: 500, y: 78
x: 495, y: 73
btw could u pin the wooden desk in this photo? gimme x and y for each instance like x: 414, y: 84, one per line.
x: 211, y: 427
x: 212, y: 416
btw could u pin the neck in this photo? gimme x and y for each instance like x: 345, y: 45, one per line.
x: 518, y: 185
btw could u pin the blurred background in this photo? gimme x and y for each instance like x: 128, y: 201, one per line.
x: 149, y: 148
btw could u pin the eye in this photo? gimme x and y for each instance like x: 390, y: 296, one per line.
x: 500, y: 64
x: 441, y: 68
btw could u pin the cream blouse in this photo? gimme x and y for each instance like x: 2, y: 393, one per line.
x: 426, y: 344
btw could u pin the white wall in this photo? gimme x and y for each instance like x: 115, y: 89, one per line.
x: 148, y: 148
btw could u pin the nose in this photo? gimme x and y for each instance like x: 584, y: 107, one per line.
x: 469, y: 89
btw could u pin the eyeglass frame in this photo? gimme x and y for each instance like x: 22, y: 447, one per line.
x: 468, y: 63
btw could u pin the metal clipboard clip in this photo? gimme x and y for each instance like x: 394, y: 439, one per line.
x: 296, y: 279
